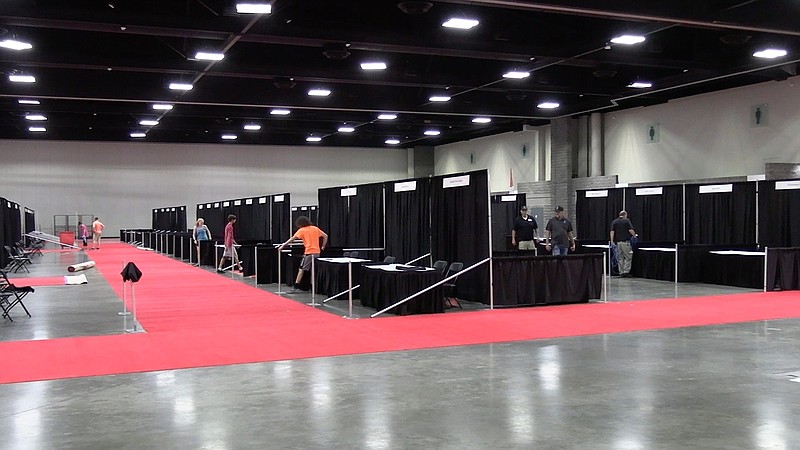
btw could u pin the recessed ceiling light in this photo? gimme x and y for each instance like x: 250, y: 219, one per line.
x: 252, y: 127
x: 432, y: 132
x: 28, y: 102
x: 37, y: 129
x: 208, y: 56
x: 229, y: 137
x: 35, y: 117
x: 253, y: 8
x: 481, y: 120
x: 516, y: 75
x: 22, y: 78
x: 377, y: 65
x: 462, y: 24
x: 279, y: 112
x: 12, y: 44
x: 392, y: 141
x: 181, y: 86
x: 770, y: 53
x: 319, y: 92
x: 439, y: 98
x: 627, y: 39
x: 148, y: 123
x: 313, y: 139
x: 548, y: 105
x: 640, y: 85
x: 346, y: 129
x: 387, y: 116
x: 138, y: 135
x: 162, y: 107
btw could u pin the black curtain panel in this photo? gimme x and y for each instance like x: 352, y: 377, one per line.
x: 245, y: 228
x: 593, y: 215
x: 281, y: 223
x: 180, y: 219
x: 656, y: 217
x: 460, y: 229
x: 215, y: 220
x: 779, y: 214
x: 30, y: 220
x: 259, y: 217
x: 408, y: 225
x: 333, y: 216
x: 365, y: 225
x: 4, y: 258
x: 505, y: 208
x: 16, y: 223
x: 721, y: 217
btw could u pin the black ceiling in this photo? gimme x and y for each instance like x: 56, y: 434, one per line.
x: 101, y: 65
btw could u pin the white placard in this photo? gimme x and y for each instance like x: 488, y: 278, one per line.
x: 783, y: 185
x: 163, y: 210
x: 348, y: 192
x: 262, y: 200
x: 182, y: 208
x: 621, y: 185
x: 455, y: 181
x: 303, y: 208
x: 313, y: 208
x: 209, y: 205
x: 714, y: 188
x: 650, y: 191
x: 226, y: 204
x: 277, y: 198
x: 508, y: 198
x: 597, y: 194
x: 237, y: 203
x: 199, y: 206
x: 248, y: 201
x: 405, y: 186
x: 761, y: 177
x: 294, y: 208
x: 172, y: 210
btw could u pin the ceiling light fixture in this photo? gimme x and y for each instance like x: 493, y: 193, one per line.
x: 229, y: 137
x: 432, y: 132
x: 392, y: 141
x: 387, y: 116
x: 627, y: 39
x: 461, y: 24
x: 252, y: 127
x: 35, y: 117
x: 23, y: 101
x: 138, y: 134
x: 770, y: 53
x: 13, y: 44
x: 373, y: 65
x: 319, y: 92
x: 209, y: 56
x: 548, y: 105
x: 280, y: 112
x: 162, y: 107
x: 346, y: 129
x: 22, y: 78
x: 516, y: 75
x: 640, y: 84
x: 313, y: 139
x: 439, y: 98
x: 481, y: 120
x: 181, y: 86
x: 37, y: 129
x: 253, y: 8
x: 148, y: 122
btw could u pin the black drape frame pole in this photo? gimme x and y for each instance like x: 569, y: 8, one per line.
x: 383, y: 192
x: 756, y: 230
x: 683, y: 213
x: 489, y: 219
x: 766, y: 252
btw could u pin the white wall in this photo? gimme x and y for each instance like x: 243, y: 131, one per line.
x: 499, y: 154
x: 122, y: 182
x: 706, y: 136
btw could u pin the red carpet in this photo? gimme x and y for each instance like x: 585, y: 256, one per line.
x: 37, y: 281
x: 195, y: 318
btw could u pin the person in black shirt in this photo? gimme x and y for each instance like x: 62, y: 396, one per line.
x: 621, y: 233
x: 559, y: 229
x: 525, y: 230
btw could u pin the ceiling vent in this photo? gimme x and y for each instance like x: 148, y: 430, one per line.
x: 415, y: 8
x: 336, y: 52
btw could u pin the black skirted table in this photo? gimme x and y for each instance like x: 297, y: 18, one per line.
x: 383, y: 285
x: 332, y: 275
x: 735, y: 268
x: 547, y: 280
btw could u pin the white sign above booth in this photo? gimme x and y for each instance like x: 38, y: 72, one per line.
x: 650, y: 191
x: 277, y: 198
x: 508, y: 198
x: 348, y: 192
x: 405, y: 186
x: 784, y: 185
x: 597, y: 194
x: 715, y: 188
x: 455, y: 182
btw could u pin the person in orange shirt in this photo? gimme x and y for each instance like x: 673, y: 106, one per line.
x: 310, y: 235
x: 97, y: 231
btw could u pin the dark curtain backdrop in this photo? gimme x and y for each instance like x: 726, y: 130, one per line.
x: 281, y: 225
x: 333, y: 215
x: 503, y: 215
x: 365, y: 224
x: 408, y: 226
x: 593, y: 215
x: 4, y: 216
x: 245, y: 225
x: 721, y: 218
x: 30, y: 220
x: 657, y: 217
x: 460, y: 230
x: 779, y: 216
x: 309, y: 211
x: 180, y: 219
x: 213, y: 218
x: 171, y: 218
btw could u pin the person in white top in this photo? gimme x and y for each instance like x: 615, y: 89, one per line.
x: 97, y: 231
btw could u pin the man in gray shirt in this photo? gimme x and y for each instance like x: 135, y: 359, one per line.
x: 559, y: 230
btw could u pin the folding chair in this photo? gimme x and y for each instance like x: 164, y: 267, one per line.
x: 16, y: 261
x: 440, y: 266
x: 11, y: 296
x: 354, y: 254
x: 389, y: 260
x: 449, y: 288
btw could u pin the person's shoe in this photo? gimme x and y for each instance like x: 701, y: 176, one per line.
x: 220, y: 270
x: 292, y: 290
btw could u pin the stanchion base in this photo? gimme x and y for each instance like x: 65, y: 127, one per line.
x: 134, y: 331
x: 348, y: 317
x: 314, y: 304
x: 125, y: 313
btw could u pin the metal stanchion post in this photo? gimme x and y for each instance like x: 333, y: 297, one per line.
x: 766, y: 251
x: 279, y: 292
x: 255, y: 255
x: 350, y: 285
x: 313, y: 283
x: 676, y: 265
x: 124, y: 311
x: 605, y: 277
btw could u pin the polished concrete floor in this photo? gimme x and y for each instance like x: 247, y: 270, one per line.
x: 717, y: 387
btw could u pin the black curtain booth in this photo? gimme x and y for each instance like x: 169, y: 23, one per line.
x: 365, y: 224
x: 4, y: 217
x: 212, y: 215
x: 505, y: 208
x: 245, y: 226
x: 308, y: 211
x: 281, y: 223
x: 11, y: 229
x: 408, y: 225
x: 656, y: 212
x: 30, y: 220
x: 180, y: 219
x: 460, y: 228
x: 721, y: 213
x: 779, y: 213
x: 333, y: 218
x: 594, y: 211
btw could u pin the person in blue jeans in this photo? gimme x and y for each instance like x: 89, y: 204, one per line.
x: 559, y: 231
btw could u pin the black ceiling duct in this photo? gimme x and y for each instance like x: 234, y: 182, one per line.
x: 415, y: 8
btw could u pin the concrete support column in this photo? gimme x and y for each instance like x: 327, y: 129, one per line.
x: 563, y: 138
x: 596, y: 146
x: 420, y: 161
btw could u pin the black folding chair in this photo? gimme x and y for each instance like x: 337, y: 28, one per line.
x: 389, y: 260
x: 354, y: 254
x: 449, y: 288
x: 11, y: 296
x: 440, y: 266
x: 16, y: 261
